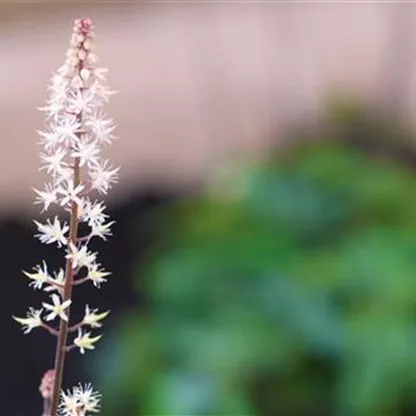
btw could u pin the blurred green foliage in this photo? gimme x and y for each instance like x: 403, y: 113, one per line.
x: 289, y: 290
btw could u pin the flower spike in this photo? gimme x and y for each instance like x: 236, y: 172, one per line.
x: 73, y: 141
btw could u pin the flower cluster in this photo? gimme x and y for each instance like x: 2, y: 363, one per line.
x: 76, y: 133
x: 79, y: 401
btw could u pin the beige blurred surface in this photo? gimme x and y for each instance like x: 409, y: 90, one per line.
x: 199, y: 83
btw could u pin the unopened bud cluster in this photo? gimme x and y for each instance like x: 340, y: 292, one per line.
x: 77, y: 131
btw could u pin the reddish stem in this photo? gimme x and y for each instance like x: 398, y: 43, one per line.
x: 80, y: 281
x: 67, y: 292
x: 51, y: 330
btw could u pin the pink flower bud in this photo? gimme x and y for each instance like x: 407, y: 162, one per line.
x: 82, y: 54
x: 92, y: 59
x: 85, y: 74
x: 87, y: 44
x: 71, y: 52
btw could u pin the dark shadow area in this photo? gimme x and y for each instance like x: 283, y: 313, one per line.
x: 26, y: 357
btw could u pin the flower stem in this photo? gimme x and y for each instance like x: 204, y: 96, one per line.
x: 50, y: 329
x: 46, y: 407
x: 67, y: 292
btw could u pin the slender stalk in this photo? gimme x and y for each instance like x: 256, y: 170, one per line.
x: 51, y: 330
x: 69, y: 277
x: 46, y: 407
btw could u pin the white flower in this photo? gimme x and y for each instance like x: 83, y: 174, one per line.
x: 101, y: 230
x: 87, y: 153
x: 49, y: 139
x: 84, y: 341
x: 40, y: 277
x: 58, y: 86
x: 49, y: 233
x: 54, y: 162
x: 101, y: 74
x: 67, y: 130
x: 96, y: 275
x: 57, y: 282
x: 53, y: 109
x: 81, y: 400
x: 93, y: 212
x: 101, y: 93
x: 33, y: 320
x: 103, y: 176
x: 92, y: 318
x: 57, y: 309
x: 69, y: 405
x: 81, y: 101
x: 81, y: 257
x: 88, y: 398
x: 46, y: 197
x: 102, y: 128
x: 70, y: 193
x: 65, y: 175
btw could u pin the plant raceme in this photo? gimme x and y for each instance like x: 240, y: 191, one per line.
x: 77, y: 131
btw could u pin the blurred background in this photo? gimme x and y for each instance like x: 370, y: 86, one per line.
x: 264, y: 255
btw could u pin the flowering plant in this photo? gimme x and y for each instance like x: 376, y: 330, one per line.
x: 77, y: 132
